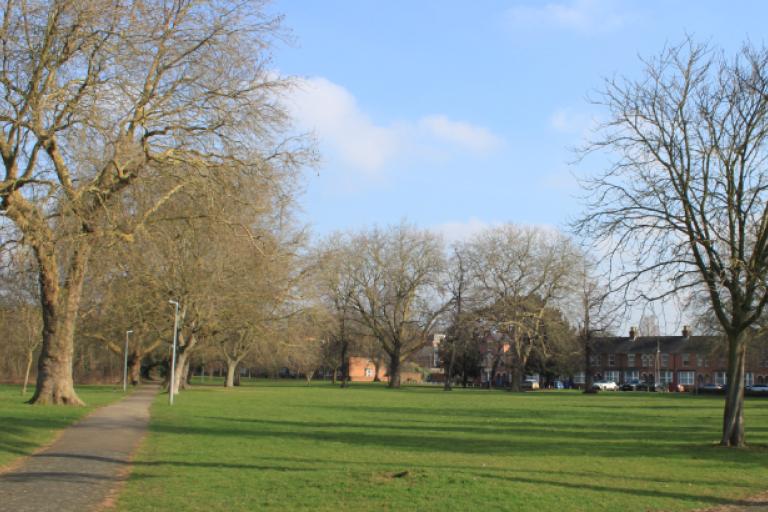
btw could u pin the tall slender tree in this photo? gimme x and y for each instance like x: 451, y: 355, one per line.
x: 684, y: 206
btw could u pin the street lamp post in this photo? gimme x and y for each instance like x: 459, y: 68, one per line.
x: 172, y: 377
x: 125, y: 362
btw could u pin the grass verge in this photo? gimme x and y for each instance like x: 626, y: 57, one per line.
x: 290, y: 447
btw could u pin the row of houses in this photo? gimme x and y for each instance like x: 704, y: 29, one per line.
x: 685, y: 361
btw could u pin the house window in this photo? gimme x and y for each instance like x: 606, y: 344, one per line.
x: 631, y: 375
x: 611, y: 359
x: 686, y: 378
x: 764, y: 362
x: 665, y: 377
x: 612, y: 375
x: 701, y: 361
x: 686, y: 361
x: 721, y: 378
x: 368, y: 372
x: 594, y: 360
x: 647, y: 360
x: 665, y: 360
x: 749, y: 379
x: 630, y: 360
x: 578, y: 378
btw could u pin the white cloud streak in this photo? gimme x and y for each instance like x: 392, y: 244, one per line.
x: 582, y: 16
x: 341, y: 125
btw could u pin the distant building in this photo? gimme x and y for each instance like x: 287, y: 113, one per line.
x: 686, y: 361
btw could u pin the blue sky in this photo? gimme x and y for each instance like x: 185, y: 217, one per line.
x: 458, y: 115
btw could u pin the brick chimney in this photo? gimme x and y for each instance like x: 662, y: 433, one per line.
x: 633, y: 333
x: 686, y: 331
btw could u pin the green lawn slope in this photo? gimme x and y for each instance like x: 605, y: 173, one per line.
x: 272, y: 446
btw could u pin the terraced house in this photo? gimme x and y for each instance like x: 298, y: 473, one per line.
x: 684, y: 361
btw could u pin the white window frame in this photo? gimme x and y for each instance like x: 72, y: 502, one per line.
x: 664, y: 360
x: 749, y: 379
x: 665, y: 377
x: 612, y: 375
x: 631, y: 360
x: 611, y: 359
x: 721, y: 378
x: 631, y: 375
x: 579, y: 378
x: 686, y: 378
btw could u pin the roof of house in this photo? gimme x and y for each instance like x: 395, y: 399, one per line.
x: 649, y: 344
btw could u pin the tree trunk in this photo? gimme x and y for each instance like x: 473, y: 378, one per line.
x: 134, y: 368
x: 733, y: 417
x: 517, y: 377
x: 30, y: 360
x: 492, y: 376
x: 308, y: 376
x: 55, y: 384
x: 394, y: 369
x: 376, y: 367
x: 182, y: 364
x: 231, y: 368
x: 344, y: 365
x: 185, y: 380
x: 449, y: 369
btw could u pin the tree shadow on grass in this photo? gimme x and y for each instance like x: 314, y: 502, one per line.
x: 516, y: 440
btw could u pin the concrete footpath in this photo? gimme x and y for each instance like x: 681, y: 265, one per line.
x: 88, y: 461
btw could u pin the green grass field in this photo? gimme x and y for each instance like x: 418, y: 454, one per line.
x: 272, y: 446
x: 23, y: 427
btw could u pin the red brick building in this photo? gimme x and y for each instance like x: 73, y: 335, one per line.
x: 685, y: 360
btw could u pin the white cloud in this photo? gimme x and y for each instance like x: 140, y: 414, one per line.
x: 566, y: 120
x: 461, y: 231
x: 466, y: 135
x: 583, y: 16
x: 334, y: 115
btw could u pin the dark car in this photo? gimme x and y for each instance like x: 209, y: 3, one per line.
x: 639, y: 385
x: 633, y: 385
x: 711, y: 388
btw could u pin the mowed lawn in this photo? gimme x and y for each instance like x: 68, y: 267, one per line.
x: 24, y: 427
x: 271, y: 446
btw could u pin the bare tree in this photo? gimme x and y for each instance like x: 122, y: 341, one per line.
x: 521, y: 274
x: 684, y: 207
x: 396, y: 274
x: 98, y: 95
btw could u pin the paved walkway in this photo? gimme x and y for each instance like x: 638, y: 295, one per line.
x: 91, y: 458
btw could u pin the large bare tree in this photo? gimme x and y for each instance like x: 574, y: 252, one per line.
x: 520, y: 274
x: 396, y: 274
x: 684, y: 206
x: 96, y: 95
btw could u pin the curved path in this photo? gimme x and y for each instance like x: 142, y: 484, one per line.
x: 80, y: 469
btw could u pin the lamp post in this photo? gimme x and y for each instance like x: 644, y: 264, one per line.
x: 172, y: 377
x: 125, y: 362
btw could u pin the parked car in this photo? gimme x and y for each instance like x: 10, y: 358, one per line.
x: 758, y: 390
x: 711, y: 388
x: 634, y: 385
x: 530, y: 384
x: 605, y: 385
